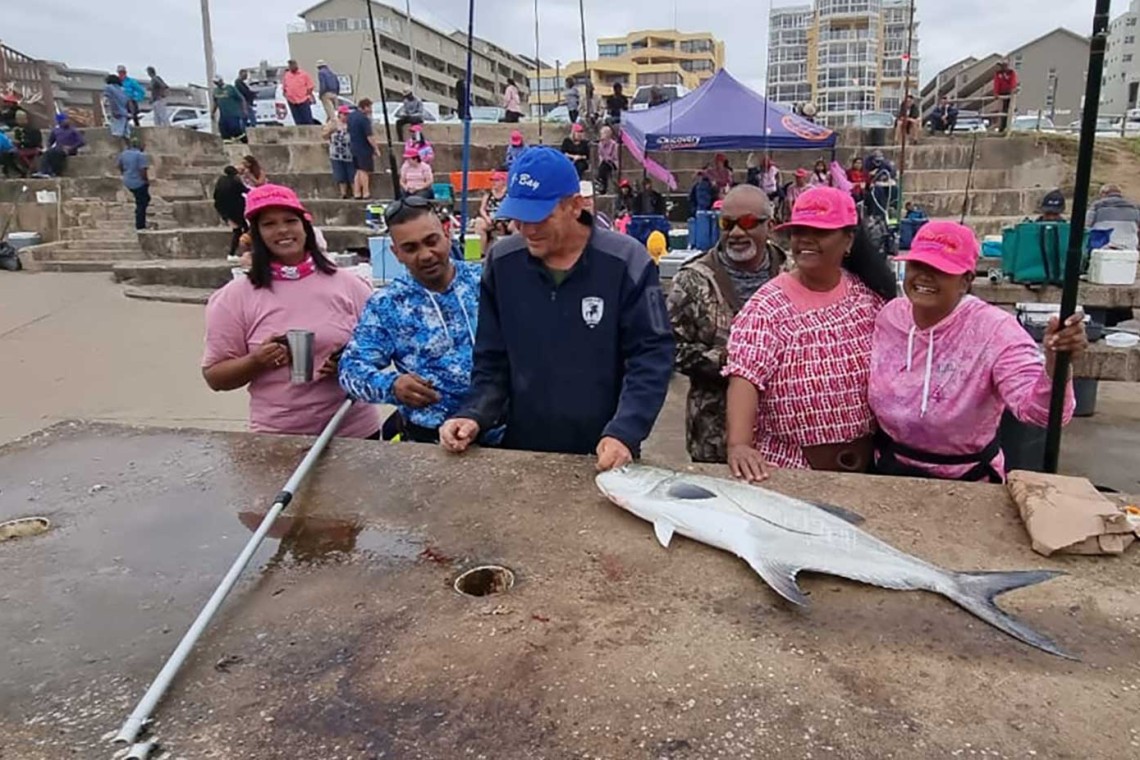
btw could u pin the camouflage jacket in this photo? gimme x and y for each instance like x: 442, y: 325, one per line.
x: 702, y: 313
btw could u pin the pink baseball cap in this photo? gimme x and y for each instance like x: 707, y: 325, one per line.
x: 411, y: 152
x: 343, y: 109
x: 272, y: 196
x: 576, y: 127
x: 802, y: 173
x: 417, y: 128
x: 949, y: 247
x: 516, y: 138
x: 499, y: 176
x: 823, y: 208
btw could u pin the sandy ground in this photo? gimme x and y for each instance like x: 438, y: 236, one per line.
x: 75, y: 348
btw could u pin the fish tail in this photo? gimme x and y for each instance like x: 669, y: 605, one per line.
x: 976, y: 593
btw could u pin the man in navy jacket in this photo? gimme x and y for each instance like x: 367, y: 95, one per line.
x: 574, y: 350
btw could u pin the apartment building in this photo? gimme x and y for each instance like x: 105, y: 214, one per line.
x: 336, y: 31
x: 1051, y: 70
x: 642, y: 58
x: 845, y: 56
x: 1121, y: 83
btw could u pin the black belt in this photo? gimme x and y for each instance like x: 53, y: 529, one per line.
x: 889, y: 450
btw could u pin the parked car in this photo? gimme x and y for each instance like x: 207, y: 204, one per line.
x: 1105, y: 127
x: 186, y: 117
x: 396, y: 109
x: 1032, y: 123
x: 971, y: 121
x: 557, y: 115
x: 272, y: 110
x: 640, y: 99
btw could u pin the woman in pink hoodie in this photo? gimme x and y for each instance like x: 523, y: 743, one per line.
x: 945, y: 365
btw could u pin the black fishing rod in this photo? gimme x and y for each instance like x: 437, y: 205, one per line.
x: 384, y: 100
x: 538, y: 73
x: 1097, y: 44
x: 969, y: 179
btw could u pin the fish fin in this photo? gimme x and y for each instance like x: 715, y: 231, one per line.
x: 781, y: 577
x: 976, y: 592
x: 843, y: 514
x: 689, y: 492
x: 664, y: 532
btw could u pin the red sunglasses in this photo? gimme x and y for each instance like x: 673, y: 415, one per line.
x: 748, y: 222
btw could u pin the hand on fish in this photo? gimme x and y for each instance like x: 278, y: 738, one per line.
x: 612, y: 453
x: 747, y: 463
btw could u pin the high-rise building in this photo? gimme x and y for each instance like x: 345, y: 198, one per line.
x: 1120, y: 87
x: 844, y: 56
x: 638, y: 59
x: 337, y: 32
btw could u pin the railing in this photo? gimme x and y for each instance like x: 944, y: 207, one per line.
x: 30, y: 80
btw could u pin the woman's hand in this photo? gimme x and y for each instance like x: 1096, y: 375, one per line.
x: 1071, y: 338
x: 331, y: 365
x: 747, y: 463
x: 271, y: 354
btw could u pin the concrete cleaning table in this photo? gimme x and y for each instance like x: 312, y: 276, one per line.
x: 348, y: 640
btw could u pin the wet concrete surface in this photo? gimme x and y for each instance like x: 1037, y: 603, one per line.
x: 348, y: 640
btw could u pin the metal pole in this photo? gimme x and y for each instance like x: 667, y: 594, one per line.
x: 1097, y: 44
x: 466, y: 108
x: 585, y: 61
x: 142, y: 712
x: 395, y: 171
x: 538, y: 73
x: 906, y: 92
x: 412, y: 46
x: 211, y: 66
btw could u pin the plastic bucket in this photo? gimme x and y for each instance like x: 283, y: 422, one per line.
x: 1085, y: 390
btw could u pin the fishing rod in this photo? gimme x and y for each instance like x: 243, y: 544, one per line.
x: 969, y: 179
x: 465, y: 112
x: 1097, y: 44
x: 586, y: 63
x: 538, y: 72
x: 395, y: 171
x: 134, y: 724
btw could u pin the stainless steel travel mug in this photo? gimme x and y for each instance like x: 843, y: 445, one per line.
x: 301, y: 355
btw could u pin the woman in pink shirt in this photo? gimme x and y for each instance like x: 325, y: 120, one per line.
x: 512, y: 105
x: 799, y: 352
x: 415, y: 176
x: 945, y: 365
x: 290, y: 285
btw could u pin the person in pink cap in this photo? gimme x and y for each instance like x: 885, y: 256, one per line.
x: 798, y: 187
x: 291, y: 285
x: 799, y: 352
x: 577, y: 148
x: 418, y: 141
x: 514, y: 149
x: 486, y: 225
x: 416, y: 177
x: 945, y: 366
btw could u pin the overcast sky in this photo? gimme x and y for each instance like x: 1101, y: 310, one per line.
x: 167, y: 33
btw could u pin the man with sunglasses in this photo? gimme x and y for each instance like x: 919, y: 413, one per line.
x: 706, y: 295
x: 574, y: 347
x: 413, y: 344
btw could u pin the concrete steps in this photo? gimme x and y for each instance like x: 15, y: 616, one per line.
x: 83, y: 253
x: 74, y: 267
x: 168, y: 294
x: 191, y: 273
x: 214, y: 242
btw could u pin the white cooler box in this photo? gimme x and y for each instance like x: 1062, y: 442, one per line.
x: 1110, y: 266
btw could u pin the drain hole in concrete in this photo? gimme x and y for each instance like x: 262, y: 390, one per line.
x: 485, y: 580
x: 23, y: 527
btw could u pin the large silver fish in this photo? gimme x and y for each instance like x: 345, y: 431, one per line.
x: 779, y: 536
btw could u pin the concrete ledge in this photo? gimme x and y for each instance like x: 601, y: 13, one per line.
x: 1088, y: 294
x: 1103, y: 362
x: 179, y: 272
x: 168, y: 294
x: 212, y: 243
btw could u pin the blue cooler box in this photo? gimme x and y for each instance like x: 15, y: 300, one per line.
x: 385, y: 265
x: 640, y: 227
x: 704, y: 231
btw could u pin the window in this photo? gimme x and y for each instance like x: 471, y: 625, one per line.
x: 1131, y: 21
x: 1129, y: 39
x: 612, y: 51
x: 1126, y: 58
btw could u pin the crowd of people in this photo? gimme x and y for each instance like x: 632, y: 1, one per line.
x: 798, y: 357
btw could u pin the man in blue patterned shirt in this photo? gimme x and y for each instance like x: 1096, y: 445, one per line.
x: 413, y: 344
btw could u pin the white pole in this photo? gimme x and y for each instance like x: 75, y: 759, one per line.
x: 142, y: 712
x: 208, y: 49
x: 412, y: 47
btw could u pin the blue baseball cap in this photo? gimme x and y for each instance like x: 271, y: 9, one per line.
x: 540, y: 178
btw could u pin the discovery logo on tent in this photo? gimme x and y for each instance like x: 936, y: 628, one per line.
x: 686, y: 142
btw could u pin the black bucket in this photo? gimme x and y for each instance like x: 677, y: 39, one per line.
x: 1023, y: 444
x: 1085, y: 390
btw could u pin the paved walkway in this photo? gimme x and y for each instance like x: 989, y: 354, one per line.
x: 74, y: 347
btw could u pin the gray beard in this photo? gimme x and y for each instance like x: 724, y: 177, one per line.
x: 740, y: 257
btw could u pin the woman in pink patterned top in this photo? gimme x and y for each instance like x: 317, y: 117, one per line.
x: 945, y: 365
x: 799, y: 352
